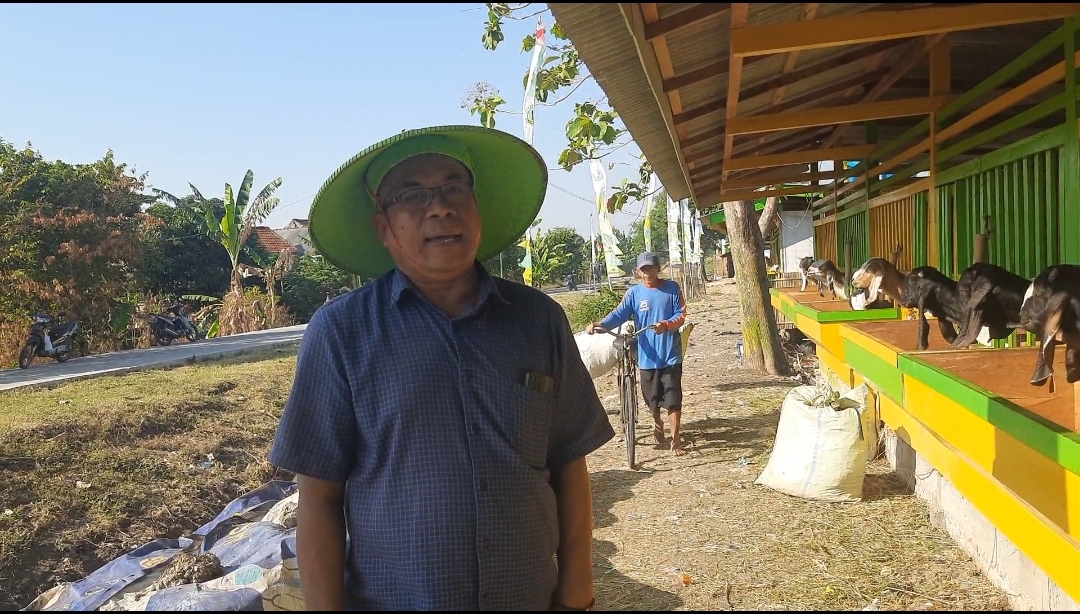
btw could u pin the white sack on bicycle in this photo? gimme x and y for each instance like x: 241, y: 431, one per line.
x: 819, y: 452
x: 598, y: 350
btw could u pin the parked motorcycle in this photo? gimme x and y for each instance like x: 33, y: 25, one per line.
x: 571, y: 282
x: 165, y: 327
x: 57, y: 342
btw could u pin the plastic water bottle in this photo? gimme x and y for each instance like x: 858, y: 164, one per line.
x: 739, y: 350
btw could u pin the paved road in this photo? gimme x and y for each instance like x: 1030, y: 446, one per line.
x: 46, y: 372
x: 42, y: 372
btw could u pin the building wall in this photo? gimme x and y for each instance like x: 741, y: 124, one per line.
x: 796, y: 237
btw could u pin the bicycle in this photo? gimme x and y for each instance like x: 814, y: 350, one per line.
x: 626, y: 345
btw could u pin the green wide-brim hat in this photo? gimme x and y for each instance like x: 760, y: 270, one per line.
x: 510, y: 180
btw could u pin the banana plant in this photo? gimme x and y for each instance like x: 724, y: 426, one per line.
x: 242, y: 214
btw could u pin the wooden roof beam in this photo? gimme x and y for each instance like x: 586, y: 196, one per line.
x: 854, y: 152
x: 789, y: 142
x: 915, y: 51
x: 739, y: 13
x: 716, y: 69
x: 682, y: 19
x: 836, y: 115
x: 789, y: 177
x: 809, y: 12
x: 877, y: 26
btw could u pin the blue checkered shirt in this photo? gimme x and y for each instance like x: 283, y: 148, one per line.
x: 445, y: 453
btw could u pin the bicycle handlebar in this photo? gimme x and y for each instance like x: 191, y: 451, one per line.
x: 615, y: 334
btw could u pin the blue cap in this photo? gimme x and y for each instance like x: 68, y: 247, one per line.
x: 648, y: 258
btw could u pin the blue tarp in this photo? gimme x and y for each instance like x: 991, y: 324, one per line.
x: 259, y: 559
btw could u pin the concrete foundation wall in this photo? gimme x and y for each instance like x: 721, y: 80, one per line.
x: 1027, y: 587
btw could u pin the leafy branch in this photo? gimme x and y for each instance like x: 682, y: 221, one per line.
x: 592, y: 132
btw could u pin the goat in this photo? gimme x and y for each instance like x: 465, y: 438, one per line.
x: 928, y: 289
x: 1051, y: 309
x: 879, y: 276
x: 990, y: 299
x: 598, y: 350
x: 825, y: 273
x: 804, y: 264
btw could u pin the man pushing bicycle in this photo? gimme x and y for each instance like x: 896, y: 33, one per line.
x: 657, y: 304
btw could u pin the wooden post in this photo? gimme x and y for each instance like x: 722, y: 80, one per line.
x: 982, y: 242
x: 896, y: 255
x: 849, y: 245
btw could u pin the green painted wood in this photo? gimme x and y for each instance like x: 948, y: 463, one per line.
x: 834, y: 317
x: 883, y: 376
x: 1033, y: 114
x: 1070, y: 156
x: 855, y: 226
x: 1047, y: 139
x: 850, y: 211
x: 1051, y: 440
x: 1025, y: 60
x: 919, y: 255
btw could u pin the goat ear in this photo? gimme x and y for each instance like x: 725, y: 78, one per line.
x: 1044, y: 368
x: 875, y: 286
x: 972, y: 323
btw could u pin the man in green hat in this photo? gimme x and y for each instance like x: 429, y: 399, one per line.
x: 440, y: 418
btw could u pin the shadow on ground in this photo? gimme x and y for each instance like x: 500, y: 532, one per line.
x: 750, y: 436
x: 733, y: 386
x: 614, y: 589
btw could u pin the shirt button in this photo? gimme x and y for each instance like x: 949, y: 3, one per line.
x: 484, y: 544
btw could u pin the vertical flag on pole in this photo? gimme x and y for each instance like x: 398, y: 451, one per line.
x: 650, y: 200
x: 530, y: 84
x: 674, y: 245
x: 526, y: 262
x: 699, y: 232
x: 607, y: 231
x: 686, y: 232
x: 592, y: 246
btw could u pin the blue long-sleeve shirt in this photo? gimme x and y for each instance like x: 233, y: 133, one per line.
x: 648, y: 306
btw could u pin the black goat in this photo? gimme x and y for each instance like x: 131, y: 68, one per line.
x: 990, y: 296
x: 928, y: 289
x: 825, y: 274
x: 1051, y: 309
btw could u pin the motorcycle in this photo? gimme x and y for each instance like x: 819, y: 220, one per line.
x: 571, y: 283
x: 166, y: 328
x: 57, y: 343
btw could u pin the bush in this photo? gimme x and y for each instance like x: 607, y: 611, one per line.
x: 592, y: 308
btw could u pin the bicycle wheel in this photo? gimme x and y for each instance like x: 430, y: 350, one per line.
x: 629, y: 412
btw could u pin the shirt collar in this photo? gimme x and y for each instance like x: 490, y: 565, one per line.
x: 399, y: 283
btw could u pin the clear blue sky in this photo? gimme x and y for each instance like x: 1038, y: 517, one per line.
x: 200, y: 93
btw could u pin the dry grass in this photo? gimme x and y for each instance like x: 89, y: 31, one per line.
x: 139, y: 440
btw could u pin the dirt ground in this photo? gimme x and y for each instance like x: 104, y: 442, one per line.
x: 95, y: 468
x: 700, y: 518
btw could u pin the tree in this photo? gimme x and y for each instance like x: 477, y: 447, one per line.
x: 237, y: 220
x: 594, y: 132
x: 761, y: 341
x: 574, y: 244
x: 179, y: 257
x: 69, y: 240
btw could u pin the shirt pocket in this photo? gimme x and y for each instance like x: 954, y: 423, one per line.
x: 529, y: 412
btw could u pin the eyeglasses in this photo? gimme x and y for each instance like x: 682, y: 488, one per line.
x: 418, y: 199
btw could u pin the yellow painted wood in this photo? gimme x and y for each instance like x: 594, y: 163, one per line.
x: 809, y: 327
x: 1057, y: 554
x: 834, y: 364
x: 831, y: 339
x: 871, y: 344
x: 1046, y: 486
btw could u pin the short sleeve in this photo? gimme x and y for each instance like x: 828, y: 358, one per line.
x: 317, y: 434
x: 579, y: 424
